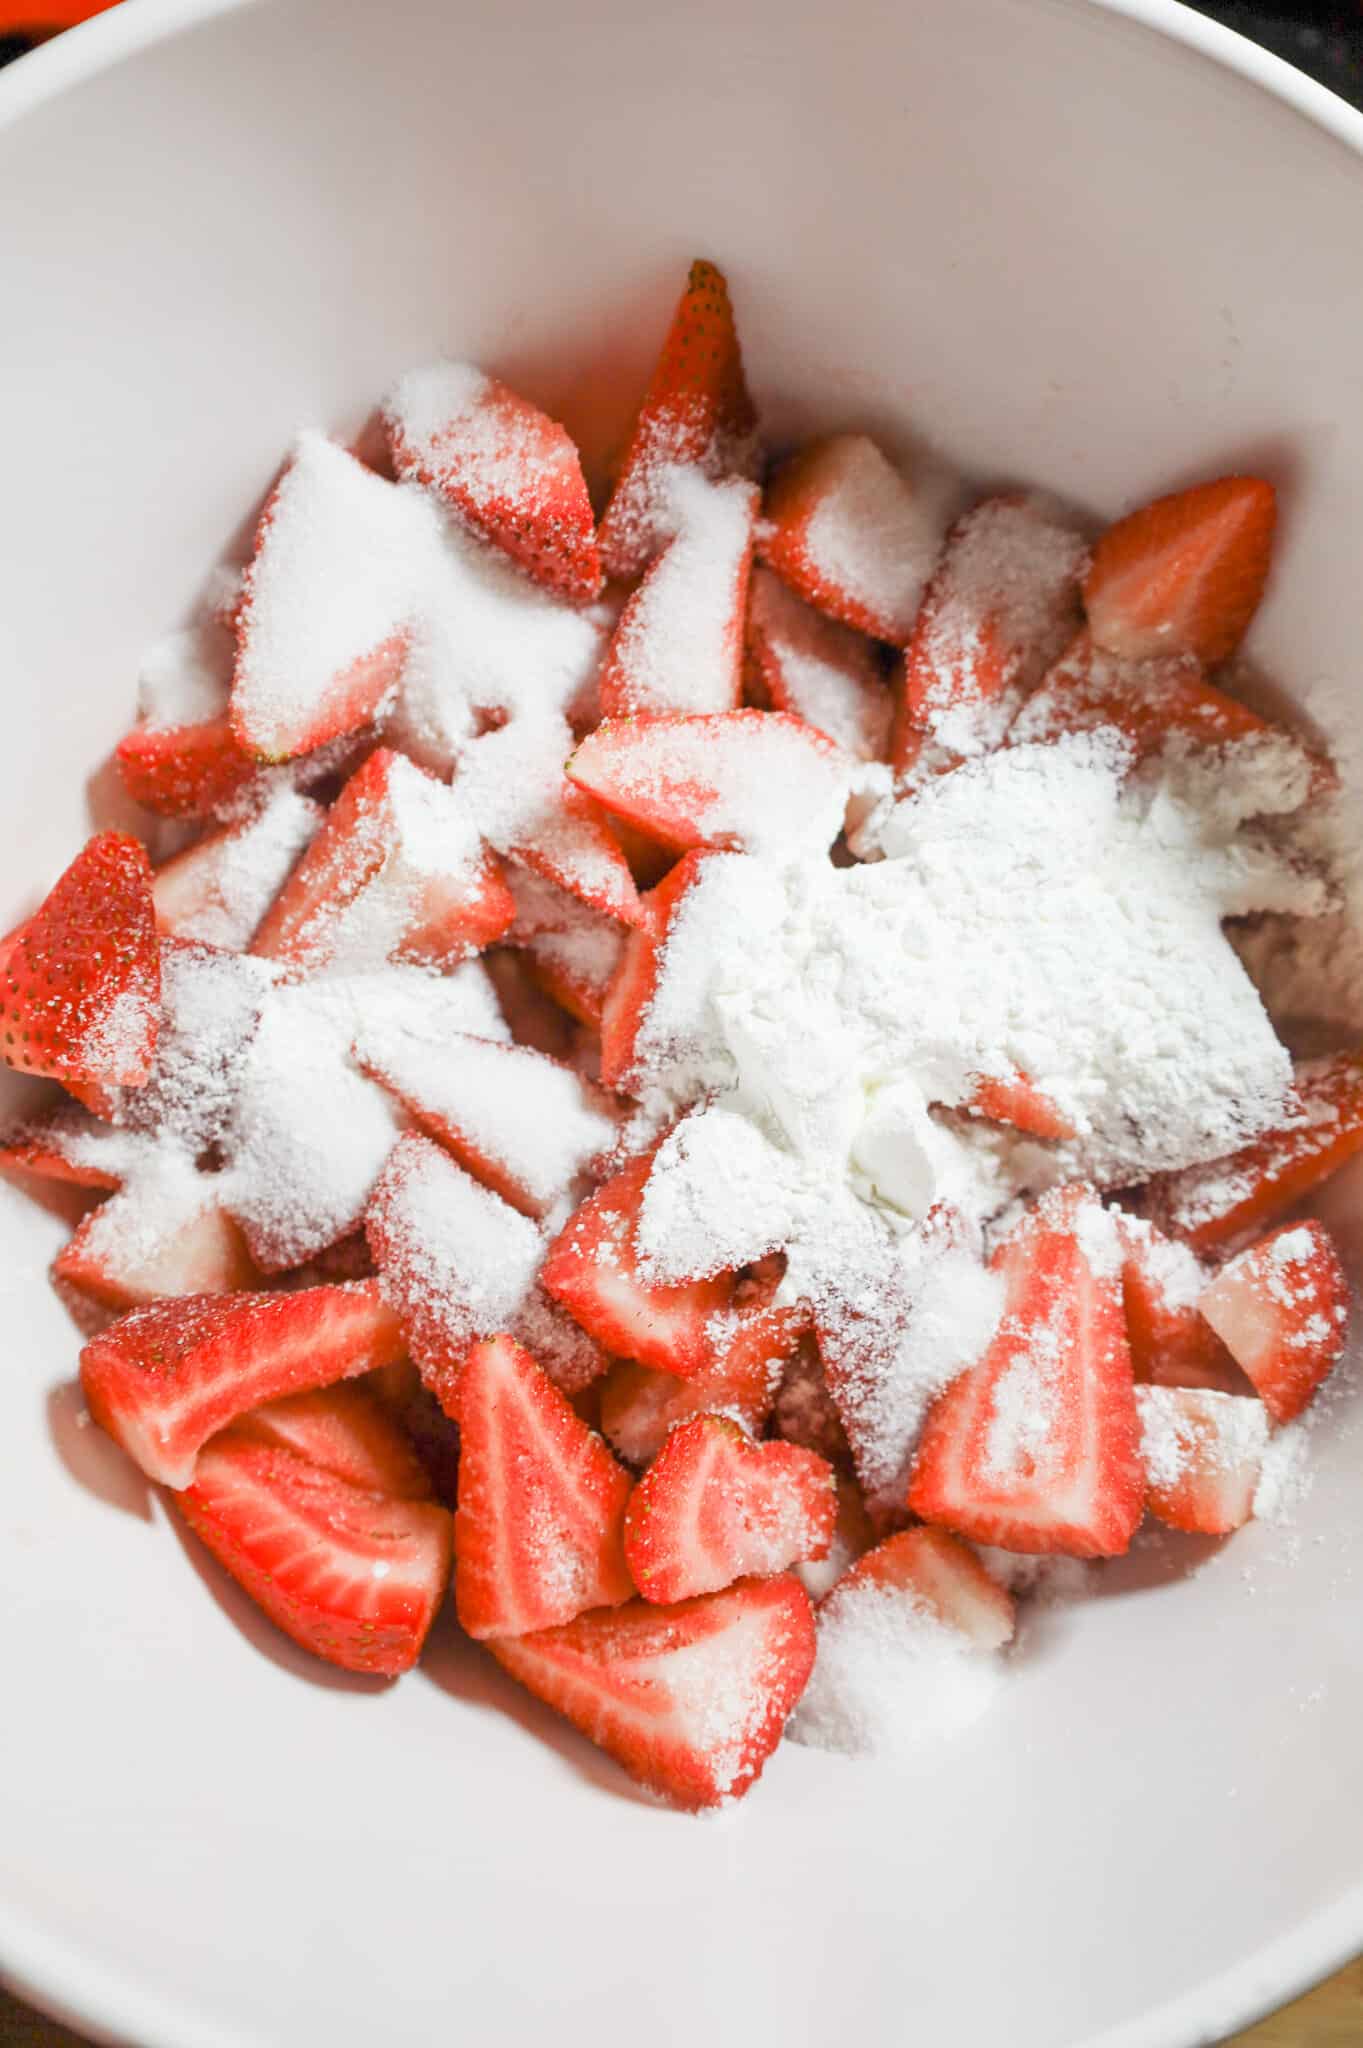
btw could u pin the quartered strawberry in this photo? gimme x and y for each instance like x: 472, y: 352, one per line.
x: 524, y: 1125
x: 354, y: 1575
x: 1183, y: 575
x: 324, y: 618
x: 1203, y: 1453
x: 592, y: 1270
x: 509, y: 470
x: 69, y: 1145
x: 396, y: 872
x: 640, y: 1405
x: 219, y: 889
x: 678, y: 645
x: 346, y: 1429
x: 571, y: 844
x: 184, y: 771
x: 1150, y: 702
x: 689, y: 1700
x: 539, y: 1526
x: 1214, y: 1207
x: 1282, y: 1310
x: 751, y: 781
x: 80, y: 980
x: 164, y: 1379
x: 849, y: 534
x: 1172, y: 1343
x: 695, y: 414
x: 1036, y: 1447
x: 714, y: 1507
x: 625, y: 1013
x: 942, y: 1574
x: 125, y: 1254
x: 801, y: 662
x: 1001, y: 607
x: 1019, y: 1102
x: 572, y: 952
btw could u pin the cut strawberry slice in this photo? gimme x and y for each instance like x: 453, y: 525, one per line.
x: 1019, y: 1102
x: 1036, y: 1448
x: 353, y: 1575
x: 184, y: 771
x: 689, y: 1700
x: 80, y: 981
x: 1185, y: 574
x: 460, y: 1264
x: 346, y: 1429
x: 328, y: 596
x: 640, y: 1405
x: 145, y: 1246
x: 943, y: 1575
x: 571, y: 951
x: 751, y: 781
x: 805, y: 1411
x: 1282, y: 1311
x: 848, y: 533
x: 801, y: 662
x: 218, y: 890
x: 1149, y: 702
x: 396, y: 872
x: 1172, y: 1344
x: 696, y: 413
x: 522, y: 1124
x: 591, y: 1268
x: 678, y: 645
x: 714, y: 1507
x: 1215, y: 1206
x: 509, y: 469
x: 1002, y: 606
x: 164, y: 1379
x: 69, y: 1145
x: 1203, y: 1454
x: 538, y: 1531
x: 570, y: 843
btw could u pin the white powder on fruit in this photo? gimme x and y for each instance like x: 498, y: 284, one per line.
x: 679, y: 643
x: 889, y: 1677
x: 821, y: 671
x: 873, y: 535
x: 185, y: 677
x: 218, y: 891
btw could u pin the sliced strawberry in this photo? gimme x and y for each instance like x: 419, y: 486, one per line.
x: 1036, y: 1447
x: 80, y: 980
x: 164, y: 1379
x: 326, y: 605
x: 640, y: 1405
x: 1019, y: 1102
x: 219, y: 889
x: 805, y: 1411
x: 625, y: 1016
x: 801, y: 662
x: 1185, y: 574
x: 522, y: 1124
x: 1002, y: 605
x: 678, y: 645
x: 137, y: 1248
x: 714, y: 1507
x: 571, y: 951
x: 849, y: 534
x: 1203, y: 1454
x: 509, y: 469
x: 184, y: 771
x: 396, y: 872
x: 1172, y: 1344
x: 67, y: 1144
x: 533, y: 1013
x: 354, y: 1575
x: 346, y: 1429
x: 752, y: 781
x: 1215, y: 1206
x: 1282, y: 1310
x: 942, y: 1574
x: 570, y: 843
x: 689, y: 1700
x: 459, y: 1264
x: 1149, y: 702
x: 538, y: 1532
x: 591, y: 1269
x: 696, y: 413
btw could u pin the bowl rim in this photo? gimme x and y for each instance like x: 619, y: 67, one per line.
x: 48, y: 1969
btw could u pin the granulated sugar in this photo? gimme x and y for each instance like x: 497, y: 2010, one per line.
x: 679, y: 642
x: 823, y: 672
x: 873, y: 534
x: 250, y: 863
x: 889, y: 1677
x: 184, y: 679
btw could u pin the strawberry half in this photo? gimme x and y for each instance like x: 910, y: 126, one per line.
x: 1036, y: 1448
x: 1150, y: 702
x: 801, y: 662
x: 640, y: 1405
x: 538, y: 1530
x: 750, y: 781
x: 689, y: 1700
x: 696, y: 414
x: 942, y: 1574
x: 184, y: 771
x: 1203, y: 1454
x: 346, y: 1429
x: 355, y: 1576
x: 1183, y: 575
x: 1282, y: 1311
x: 164, y: 1379
x: 1215, y: 1206
x: 714, y: 1507
x: 850, y: 535
x: 80, y: 980
x: 591, y: 1268
x: 1172, y: 1344
x: 511, y: 471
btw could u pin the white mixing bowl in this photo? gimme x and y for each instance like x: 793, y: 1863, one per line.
x: 1109, y: 248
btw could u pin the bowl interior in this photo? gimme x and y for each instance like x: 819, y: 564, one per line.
x: 1030, y: 233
